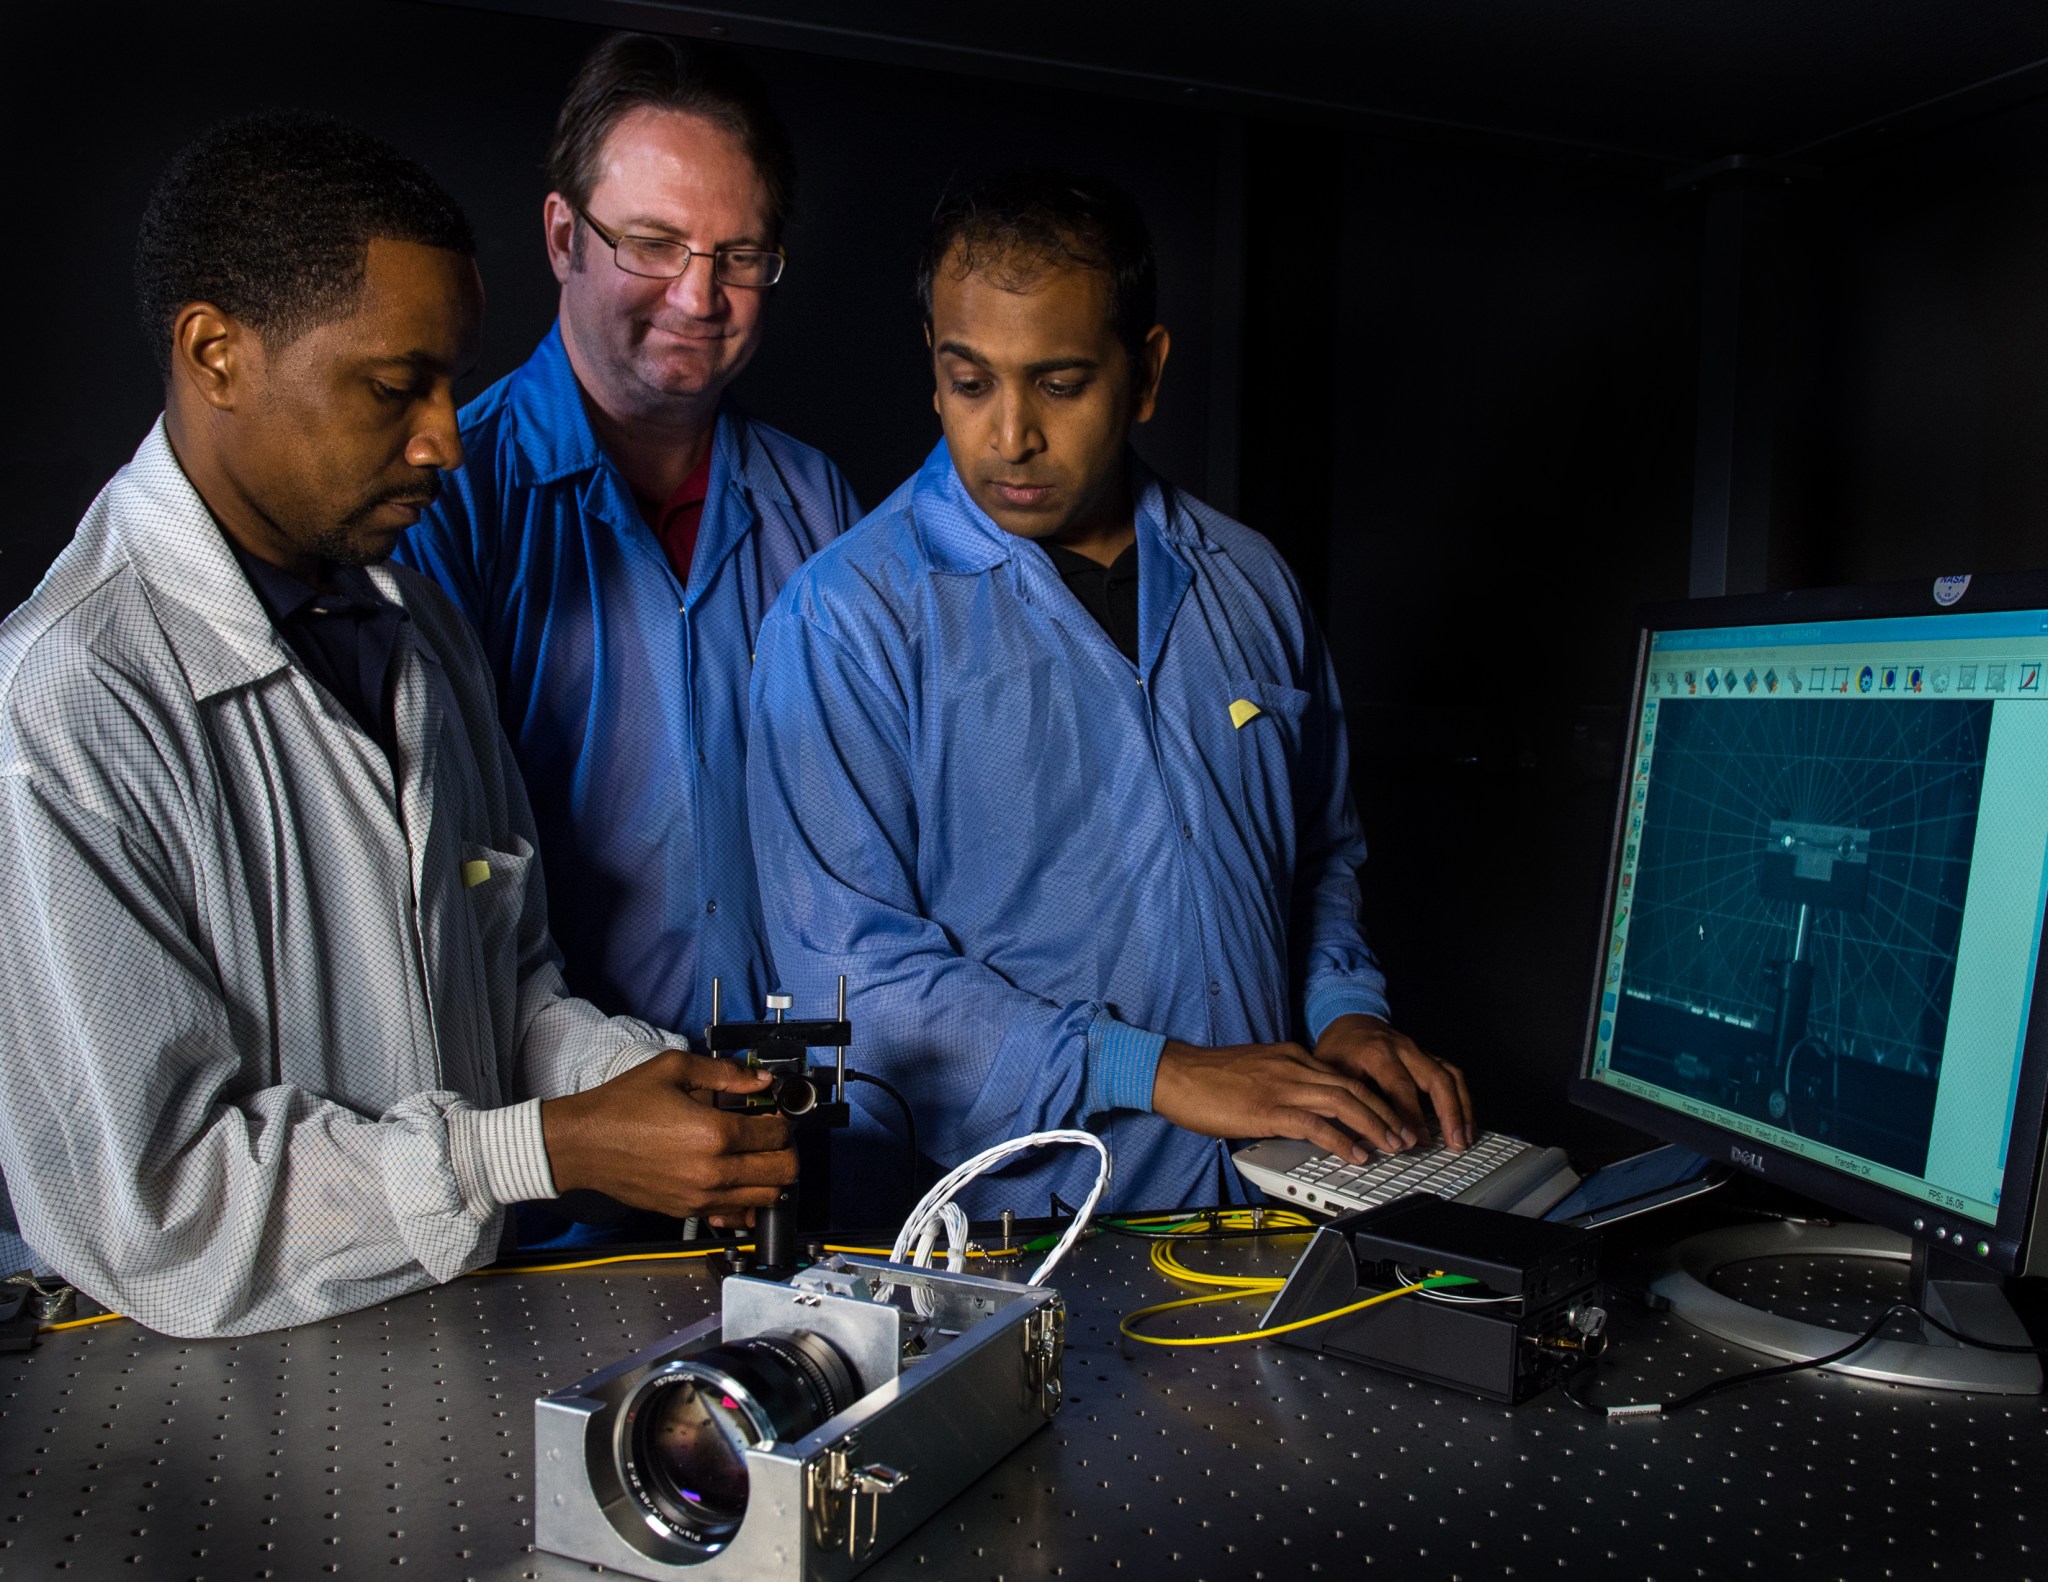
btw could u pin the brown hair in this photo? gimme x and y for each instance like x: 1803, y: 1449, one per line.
x: 630, y: 71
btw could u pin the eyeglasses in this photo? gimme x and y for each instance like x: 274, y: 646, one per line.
x: 654, y: 258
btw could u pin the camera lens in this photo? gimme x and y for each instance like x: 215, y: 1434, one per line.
x: 687, y: 1429
x: 796, y: 1095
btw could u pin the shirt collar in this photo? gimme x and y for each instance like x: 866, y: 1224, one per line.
x: 552, y: 429
x: 210, y: 616
x: 960, y: 538
x: 281, y: 594
x: 285, y: 598
x: 1071, y: 563
x: 555, y: 440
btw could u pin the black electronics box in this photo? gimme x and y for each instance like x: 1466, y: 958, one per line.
x: 1528, y: 1321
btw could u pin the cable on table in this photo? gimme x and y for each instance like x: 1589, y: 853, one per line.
x: 78, y: 1323
x: 1238, y: 1286
x: 1124, y: 1326
x: 1730, y: 1381
x: 1276, y: 1221
x: 552, y: 1268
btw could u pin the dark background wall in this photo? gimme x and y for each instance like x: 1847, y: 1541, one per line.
x: 474, y: 94
x: 1920, y: 418
x: 1456, y: 379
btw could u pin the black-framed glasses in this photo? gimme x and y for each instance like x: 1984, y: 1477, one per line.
x: 656, y: 258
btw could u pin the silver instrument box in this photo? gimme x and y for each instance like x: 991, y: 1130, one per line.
x: 801, y: 1432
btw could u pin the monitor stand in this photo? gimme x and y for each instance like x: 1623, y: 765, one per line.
x: 1960, y: 1294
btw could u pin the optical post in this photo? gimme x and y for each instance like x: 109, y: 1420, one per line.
x: 781, y: 1048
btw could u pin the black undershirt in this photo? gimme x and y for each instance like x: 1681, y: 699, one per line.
x: 1109, y: 593
x: 344, y: 639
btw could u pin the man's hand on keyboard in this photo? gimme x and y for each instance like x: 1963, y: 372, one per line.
x: 1368, y: 1048
x: 1272, y: 1090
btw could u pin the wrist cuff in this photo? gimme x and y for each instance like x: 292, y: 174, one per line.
x: 637, y: 1053
x: 1344, y: 997
x: 1122, y: 1063
x: 499, y: 1157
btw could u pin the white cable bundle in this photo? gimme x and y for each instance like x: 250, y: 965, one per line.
x: 937, y: 1205
x: 955, y: 1219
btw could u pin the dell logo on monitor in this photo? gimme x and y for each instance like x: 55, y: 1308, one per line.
x: 1746, y: 1159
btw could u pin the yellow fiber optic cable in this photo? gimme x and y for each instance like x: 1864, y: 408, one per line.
x: 593, y: 1263
x: 1167, y: 1262
x: 79, y: 1323
x: 1235, y: 1219
x: 1124, y: 1327
x: 548, y: 1268
x: 659, y: 1257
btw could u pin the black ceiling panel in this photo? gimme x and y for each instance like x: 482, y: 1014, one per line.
x: 1669, y: 82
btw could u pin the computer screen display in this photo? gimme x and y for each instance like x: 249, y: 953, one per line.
x: 1825, y: 918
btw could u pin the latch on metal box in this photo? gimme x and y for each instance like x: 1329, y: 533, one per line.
x: 1045, y: 1344
x: 833, y: 1491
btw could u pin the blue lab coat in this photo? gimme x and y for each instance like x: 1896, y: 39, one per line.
x: 624, y: 693
x: 1035, y: 861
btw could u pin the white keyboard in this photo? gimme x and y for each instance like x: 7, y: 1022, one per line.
x: 1497, y: 1171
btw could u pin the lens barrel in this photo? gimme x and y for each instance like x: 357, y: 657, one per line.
x: 686, y: 1430
x: 795, y: 1095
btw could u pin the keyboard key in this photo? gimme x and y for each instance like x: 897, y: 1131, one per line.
x: 1428, y: 1167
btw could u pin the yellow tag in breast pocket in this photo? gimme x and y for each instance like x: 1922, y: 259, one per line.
x: 474, y: 873
x: 1243, y: 712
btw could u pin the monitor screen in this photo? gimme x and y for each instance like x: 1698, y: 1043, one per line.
x: 1824, y: 922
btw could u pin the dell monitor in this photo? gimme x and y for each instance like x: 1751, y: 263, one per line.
x: 1821, y: 955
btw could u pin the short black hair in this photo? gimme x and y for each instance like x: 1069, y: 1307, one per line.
x: 270, y: 217
x: 1020, y: 222
x: 633, y: 71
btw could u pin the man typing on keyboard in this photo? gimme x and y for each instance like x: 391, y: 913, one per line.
x: 1047, y: 759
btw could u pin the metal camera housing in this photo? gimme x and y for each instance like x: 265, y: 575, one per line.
x: 947, y: 1374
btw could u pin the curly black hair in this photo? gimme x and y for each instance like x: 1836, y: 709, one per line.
x: 1014, y: 224
x: 270, y: 217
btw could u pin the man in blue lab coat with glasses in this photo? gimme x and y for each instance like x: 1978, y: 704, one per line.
x: 619, y: 528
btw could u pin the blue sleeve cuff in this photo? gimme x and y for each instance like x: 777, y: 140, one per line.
x: 1122, y: 1061
x: 1335, y: 997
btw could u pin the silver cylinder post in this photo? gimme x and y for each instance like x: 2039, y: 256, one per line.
x: 839, y: 1080
x: 715, y: 990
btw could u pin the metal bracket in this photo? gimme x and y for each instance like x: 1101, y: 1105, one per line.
x: 1045, y: 1344
x: 833, y: 1490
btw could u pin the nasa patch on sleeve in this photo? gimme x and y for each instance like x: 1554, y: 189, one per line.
x: 1949, y: 589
